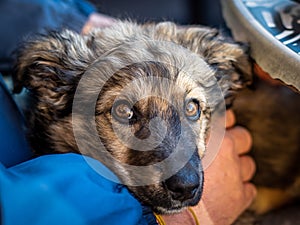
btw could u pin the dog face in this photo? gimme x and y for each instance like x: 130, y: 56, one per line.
x: 145, y: 123
x: 147, y: 109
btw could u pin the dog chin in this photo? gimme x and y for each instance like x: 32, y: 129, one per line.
x: 178, y: 206
x: 166, y: 211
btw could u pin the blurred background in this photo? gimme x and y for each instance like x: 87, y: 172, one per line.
x: 39, y: 16
x: 180, y: 11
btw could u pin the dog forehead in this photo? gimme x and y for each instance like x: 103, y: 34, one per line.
x: 153, y: 79
x: 148, y: 67
x: 145, y: 80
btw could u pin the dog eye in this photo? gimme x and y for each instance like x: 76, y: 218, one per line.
x: 122, y: 111
x: 192, y: 109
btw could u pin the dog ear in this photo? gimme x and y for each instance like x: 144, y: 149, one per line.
x: 50, y: 66
x: 232, y: 63
x: 230, y: 60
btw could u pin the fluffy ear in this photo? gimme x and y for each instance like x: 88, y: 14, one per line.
x: 233, y: 68
x: 230, y: 60
x: 50, y: 67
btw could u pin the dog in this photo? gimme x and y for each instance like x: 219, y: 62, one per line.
x: 166, y: 101
x: 270, y: 111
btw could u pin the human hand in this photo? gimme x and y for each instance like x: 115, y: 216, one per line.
x: 227, y: 191
x: 97, y: 20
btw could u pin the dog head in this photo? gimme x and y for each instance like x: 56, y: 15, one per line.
x: 151, y: 101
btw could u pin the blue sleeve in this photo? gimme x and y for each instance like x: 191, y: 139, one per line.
x: 64, y: 189
x: 13, y: 145
x: 20, y: 18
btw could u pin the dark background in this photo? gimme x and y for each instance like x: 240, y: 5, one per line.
x: 205, y: 12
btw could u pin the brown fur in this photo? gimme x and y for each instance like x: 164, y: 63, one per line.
x: 50, y: 67
x: 271, y: 113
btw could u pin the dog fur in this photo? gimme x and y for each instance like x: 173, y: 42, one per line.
x: 271, y: 114
x: 51, y: 66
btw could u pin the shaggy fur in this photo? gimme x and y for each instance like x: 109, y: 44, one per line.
x: 51, y: 66
x: 271, y: 114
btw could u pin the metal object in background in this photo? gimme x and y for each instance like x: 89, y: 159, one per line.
x: 272, y: 29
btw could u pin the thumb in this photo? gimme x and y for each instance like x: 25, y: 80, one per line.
x: 250, y: 193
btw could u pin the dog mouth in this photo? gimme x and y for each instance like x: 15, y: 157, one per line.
x: 172, y: 195
x: 171, y: 205
x: 183, y: 189
x: 162, y: 200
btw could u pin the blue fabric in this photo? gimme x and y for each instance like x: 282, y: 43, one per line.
x: 22, y: 18
x: 13, y: 146
x: 64, y: 189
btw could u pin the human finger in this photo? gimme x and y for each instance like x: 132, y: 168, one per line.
x: 230, y: 118
x: 97, y: 20
x: 248, y: 168
x: 241, y: 138
x: 250, y: 193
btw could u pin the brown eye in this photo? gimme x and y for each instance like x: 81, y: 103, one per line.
x: 192, y: 110
x: 122, y: 111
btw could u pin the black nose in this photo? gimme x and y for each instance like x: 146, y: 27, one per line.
x: 184, y: 185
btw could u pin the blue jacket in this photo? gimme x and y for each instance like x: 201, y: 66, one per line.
x: 64, y: 189
x: 22, y: 18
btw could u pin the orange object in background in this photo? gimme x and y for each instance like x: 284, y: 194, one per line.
x: 271, y: 29
x: 266, y: 77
